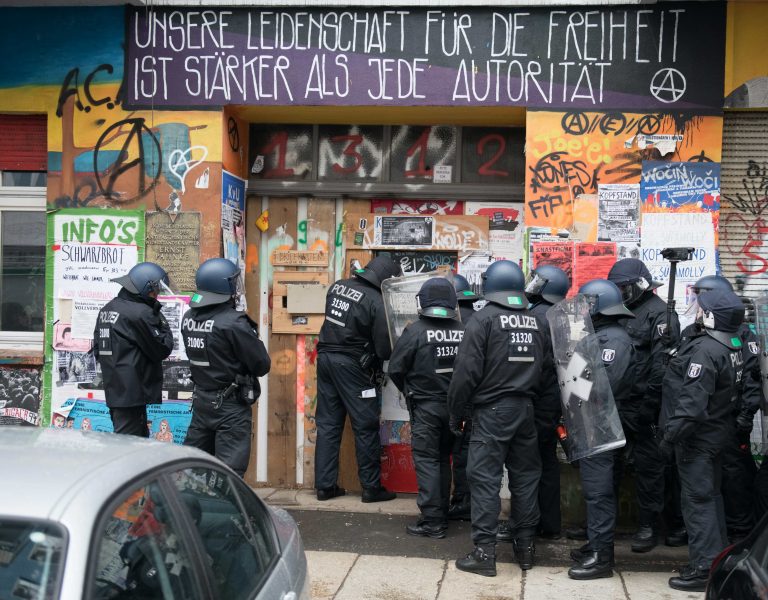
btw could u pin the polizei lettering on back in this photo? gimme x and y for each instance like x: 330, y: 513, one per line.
x: 440, y: 335
x: 518, y: 322
x: 202, y: 326
x: 345, y: 292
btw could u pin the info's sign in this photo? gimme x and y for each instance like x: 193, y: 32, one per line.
x: 665, y: 56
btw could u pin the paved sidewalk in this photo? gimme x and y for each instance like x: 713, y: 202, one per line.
x: 362, y: 572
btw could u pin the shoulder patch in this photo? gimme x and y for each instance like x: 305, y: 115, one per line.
x: 694, y: 370
x: 661, y: 328
x: 754, y: 347
x: 608, y: 355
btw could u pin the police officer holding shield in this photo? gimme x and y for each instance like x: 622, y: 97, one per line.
x: 701, y: 386
x: 459, y: 509
x: 639, y: 415
x: 130, y: 341
x: 598, y: 472
x: 421, y: 367
x: 504, y: 362
x: 226, y: 357
x: 739, y: 469
x: 353, y: 344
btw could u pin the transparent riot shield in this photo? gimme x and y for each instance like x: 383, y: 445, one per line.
x: 591, y: 418
x: 761, y: 418
x: 399, y: 295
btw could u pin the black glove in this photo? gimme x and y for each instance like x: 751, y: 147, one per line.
x: 744, y: 421
x: 456, y: 425
x: 667, y: 449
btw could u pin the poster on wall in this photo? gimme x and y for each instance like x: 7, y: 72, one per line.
x: 505, y: 228
x: 19, y: 396
x: 541, y: 234
x: 173, y: 310
x: 86, y: 250
x: 618, y: 212
x: 581, y: 261
x: 406, y: 232
x: 680, y: 186
x: 233, y: 225
x: 668, y: 230
x: 417, y: 207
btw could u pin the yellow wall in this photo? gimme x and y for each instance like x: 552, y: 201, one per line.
x: 746, y: 51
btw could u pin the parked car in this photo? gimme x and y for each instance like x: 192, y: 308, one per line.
x: 741, y: 570
x: 115, y: 517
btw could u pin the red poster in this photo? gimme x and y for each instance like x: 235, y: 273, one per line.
x: 418, y: 207
x: 557, y: 254
x: 592, y: 261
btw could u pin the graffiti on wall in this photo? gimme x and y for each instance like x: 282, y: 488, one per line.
x: 750, y: 199
x: 569, y: 153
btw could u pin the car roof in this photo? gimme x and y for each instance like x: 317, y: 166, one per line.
x: 43, y: 467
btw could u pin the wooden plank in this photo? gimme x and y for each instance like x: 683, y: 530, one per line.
x: 299, y: 258
x: 281, y: 428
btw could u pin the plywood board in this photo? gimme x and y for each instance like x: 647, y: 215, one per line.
x: 299, y: 258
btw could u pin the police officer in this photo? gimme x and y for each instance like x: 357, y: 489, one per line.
x: 421, y: 367
x: 353, y: 344
x: 131, y: 340
x: 459, y: 508
x: 504, y: 362
x: 739, y: 467
x: 548, y: 285
x: 700, y: 387
x: 226, y: 357
x: 639, y: 415
x: 598, y: 472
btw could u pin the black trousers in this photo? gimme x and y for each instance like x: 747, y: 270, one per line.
x: 224, y: 432
x: 549, y: 484
x: 739, y: 470
x: 700, y: 472
x: 344, y: 388
x: 649, y: 475
x: 598, y: 481
x: 673, y: 509
x: 431, y: 445
x: 503, y: 433
x: 130, y: 420
x: 761, y: 490
x: 459, y: 458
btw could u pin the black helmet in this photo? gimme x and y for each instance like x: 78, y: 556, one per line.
x: 217, y: 282
x: 605, y: 298
x: 144, y: 278
x: 437, y: 298
x: 464, y: 292
x: 380, y: 268
x: 503, y: 283
x: 723, y: 310
x: 712, y: 282
x: 633, y: 279
x: 548, y: 282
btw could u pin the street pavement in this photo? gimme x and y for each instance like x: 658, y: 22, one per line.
x: 361, y: 551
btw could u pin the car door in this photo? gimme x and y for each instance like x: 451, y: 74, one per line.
x: 237, y: 534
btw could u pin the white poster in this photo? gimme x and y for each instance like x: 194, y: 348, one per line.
x: 505, y: 227
x: 673, y: 230
x: 173, y: 310
x: 618, y: 212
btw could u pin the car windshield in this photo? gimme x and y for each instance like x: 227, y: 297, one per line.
x: 31, y: 558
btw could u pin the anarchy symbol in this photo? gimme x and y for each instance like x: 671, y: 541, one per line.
x: 668, y: 85
x: 234, y: 135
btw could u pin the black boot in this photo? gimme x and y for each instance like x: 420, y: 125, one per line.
x: 460, y: 509
x: 576, y: 533
x: 596, y: 564
x: 328, y: 493
x: 580, y: 553
x: 645, y: 539
x: 426, y: 530
x: 505, y: 533
x: 690, y: 580
x: 377, y: 494
x: 482, y: 560
x: 525, y: 551
x: 677, y: 537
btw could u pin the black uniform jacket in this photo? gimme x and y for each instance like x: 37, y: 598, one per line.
x: 130, y: 341
x: 751, y: 391
x: 701, y: 386
x: 506, y: 354
x: 547, y: 407
x: 618, y: 354
x: 647, y: 330
x: 222, y: 343
x: 467, y: 311
x: 355, y: 322
x: 422, y: 360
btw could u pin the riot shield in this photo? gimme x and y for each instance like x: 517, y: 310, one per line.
x: 399, y: 295
x: 589, y: 411
x: 761, y: 418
